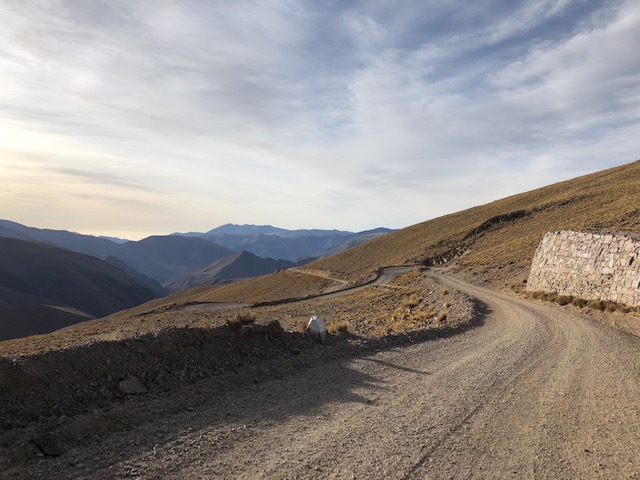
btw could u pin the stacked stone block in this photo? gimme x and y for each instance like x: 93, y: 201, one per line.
x: 588, y: 265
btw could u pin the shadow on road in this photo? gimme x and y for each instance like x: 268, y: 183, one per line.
x: 398, y: 367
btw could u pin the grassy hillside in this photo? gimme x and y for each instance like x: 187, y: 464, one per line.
x: 276, y: 286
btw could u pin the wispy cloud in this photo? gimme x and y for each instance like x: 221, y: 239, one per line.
x: 100, y: 178
x: 300, y: 113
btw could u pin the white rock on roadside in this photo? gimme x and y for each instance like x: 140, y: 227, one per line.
x: 317, y: 328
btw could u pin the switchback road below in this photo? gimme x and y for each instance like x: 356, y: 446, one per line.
x: 536, y: 392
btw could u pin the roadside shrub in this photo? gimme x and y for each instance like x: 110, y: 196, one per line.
x: 442, y: 316
x: 242, y: 318
x: 411, y: 302
x: 402, y: 325
x: 564, y: 299
x: 580, y: 302
x: 245, y: 318
x: 596, y: 304
x: 381, y: 330
x: 419, y: 316
x: 335, y: 327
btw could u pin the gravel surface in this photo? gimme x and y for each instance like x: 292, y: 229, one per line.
x: 533, y: 393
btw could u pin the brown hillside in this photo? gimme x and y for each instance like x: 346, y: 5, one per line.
x: 500, y: 238
x: 276, y: 286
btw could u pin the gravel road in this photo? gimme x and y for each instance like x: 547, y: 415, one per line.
x: 535, y: 392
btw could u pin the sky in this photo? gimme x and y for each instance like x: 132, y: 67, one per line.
x: 132, y: 118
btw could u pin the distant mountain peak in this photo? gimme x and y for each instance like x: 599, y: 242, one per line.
x: 114, y: 239
x: 234, y: 229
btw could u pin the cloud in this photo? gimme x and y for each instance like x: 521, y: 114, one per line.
x: 304, y: 114
x: 100, y: 178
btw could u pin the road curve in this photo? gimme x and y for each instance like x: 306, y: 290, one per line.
x: 536, y: 392
x: 385, y: 276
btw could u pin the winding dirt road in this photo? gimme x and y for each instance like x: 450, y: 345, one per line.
x: 535, y: 392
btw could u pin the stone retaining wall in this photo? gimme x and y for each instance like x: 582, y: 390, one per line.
x: 588, y: 265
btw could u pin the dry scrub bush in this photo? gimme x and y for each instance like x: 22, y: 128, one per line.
x: 596, y: 304
x: 335, y: 327
x: 411, y: 302
x: 579, y: 302
x: 564, y: 300
x: 406, y: 317
x: 245, y: 318
x: 419, y: 316
x: 242, y: 318
x: 442, y: 316
x: 609, y: 306
x: 402, y: 325
x: 519, y: 285
x: 381, y: 330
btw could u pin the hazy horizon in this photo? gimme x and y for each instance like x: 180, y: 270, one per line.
x: 131, y: 119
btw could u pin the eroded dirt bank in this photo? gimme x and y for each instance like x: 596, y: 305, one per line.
x: 534, y: 393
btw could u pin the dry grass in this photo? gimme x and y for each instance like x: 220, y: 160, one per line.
x: 276, y: 286
x: 412, y: 313
x: 596, y: 304
x: 337, y: 327
x: 245, y: 317
x: 242, y: 317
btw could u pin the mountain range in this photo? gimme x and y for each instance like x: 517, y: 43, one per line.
x: 272, y: 242
x: 157, y: 264
x: 161, y: 258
